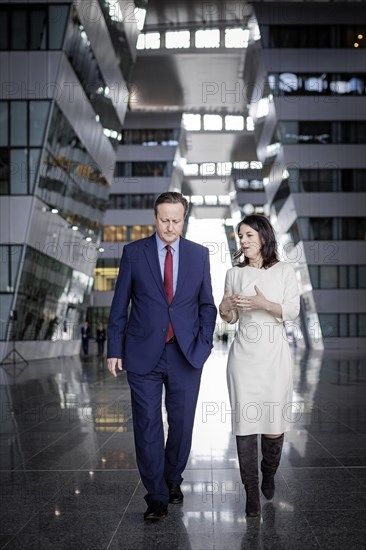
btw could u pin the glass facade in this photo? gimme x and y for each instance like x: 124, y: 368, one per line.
x: 143, y: 169
x: 114, y: 19
x: 319, y: 181
x: 313, y: 36
x: 343, y: 325
x: 328, y: 84
x: 328, y: 229
x: 134, y: 201
x: 23, y: 125
x: 117, y: 233
x: 70, y: 180
x: 81, y: 56
x: 151, y: 137
x: 338, y: 276
x: 49, y: 298
x: 32, y: 26
x: 322, y: 132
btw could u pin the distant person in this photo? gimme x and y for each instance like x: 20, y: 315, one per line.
x: 101, y: 338
x: 85, y: 336
x: 164, y: 342
x: 261, y: 293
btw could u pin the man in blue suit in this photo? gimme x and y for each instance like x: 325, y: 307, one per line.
x: 163, y: 341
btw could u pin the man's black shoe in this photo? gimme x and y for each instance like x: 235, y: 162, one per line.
x: 175, y: 494
x: 156, y: 510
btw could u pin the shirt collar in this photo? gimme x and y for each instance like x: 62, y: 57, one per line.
x: 162, y: 245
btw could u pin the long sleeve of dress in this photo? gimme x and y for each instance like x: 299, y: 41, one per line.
x: 230, y: 290
x: 291, y: 298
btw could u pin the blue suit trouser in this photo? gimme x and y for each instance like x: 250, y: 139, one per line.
x: 158, y: 461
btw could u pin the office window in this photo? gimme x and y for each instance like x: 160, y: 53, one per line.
x: 361, y: 276
x: 19, y: 30
x: 57, y: 19
x: 151, y: 41
x: 209, y: 38
x: 212, y: 122
x: 4, y: 172
x: 105, y: 278
x: 328, y: 276
x: 314, y: 36
x: 38, y: 25
x: 322, y: 132
x: 18, y: 123
x: 19, y: 171
x: 362, y: 325
x: 141, y: 231
x: 38, y: 114
x: 9, y: 264
x: 329, y: 324
x: 4, y: 29
x: 4, y: 123
x: 177, y: 39
x: 299, y: 84
x: 191, y: 122
x: 234, y: 122
x: 236, y: 38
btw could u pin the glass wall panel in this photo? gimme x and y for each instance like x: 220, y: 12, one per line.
x: 34, y: 156
x: 314, y: 36
x: 299, y: 84
x: 19, y: 30
x: 362, y: 276
x: 352, y: 323
x: 38, y: 114
x: 70, y: 180
x: 352, y: 276
x: 329, y: 324
x: 4, y: 172
x: 5, y: 305
x: 362, y: 325
x: 4, y: 272
x: 343, y: 276
x: 343, y: 324
x: 18, y: 123
x: 19, y: 171
x: 4, y: 30
x: 314, y: 275
x: 328, y: 276
x: 38, y: 25
x: 322, y: 132
x: 3, y: 123
x: 50, y: 297
x: 15, y: 257
x: 57, y: 15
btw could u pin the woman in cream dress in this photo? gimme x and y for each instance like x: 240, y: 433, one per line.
x: 260, y: 293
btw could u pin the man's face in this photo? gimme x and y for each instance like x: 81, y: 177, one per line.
x: 169, y: 221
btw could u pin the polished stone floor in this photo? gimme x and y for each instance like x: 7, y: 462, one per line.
x: 69, y: 477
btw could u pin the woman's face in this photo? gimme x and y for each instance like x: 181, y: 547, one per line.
x: 250, y: 242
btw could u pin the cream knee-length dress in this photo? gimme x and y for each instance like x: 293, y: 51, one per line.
x: 259, y: 371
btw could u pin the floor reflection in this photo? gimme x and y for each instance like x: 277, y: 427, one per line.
x: 69, y: 478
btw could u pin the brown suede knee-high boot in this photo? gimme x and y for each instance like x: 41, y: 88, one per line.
x: 248, y: 463
x: 271, y: 452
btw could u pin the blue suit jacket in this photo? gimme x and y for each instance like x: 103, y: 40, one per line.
x: 139, y: 338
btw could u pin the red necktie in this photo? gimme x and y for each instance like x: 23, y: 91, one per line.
x: 168, y: 285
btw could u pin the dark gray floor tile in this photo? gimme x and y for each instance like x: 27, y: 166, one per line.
x: 338, y: 529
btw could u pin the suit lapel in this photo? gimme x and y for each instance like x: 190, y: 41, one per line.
x: 151, y: 253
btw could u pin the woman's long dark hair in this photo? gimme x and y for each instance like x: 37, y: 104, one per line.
x: 266, y: 236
